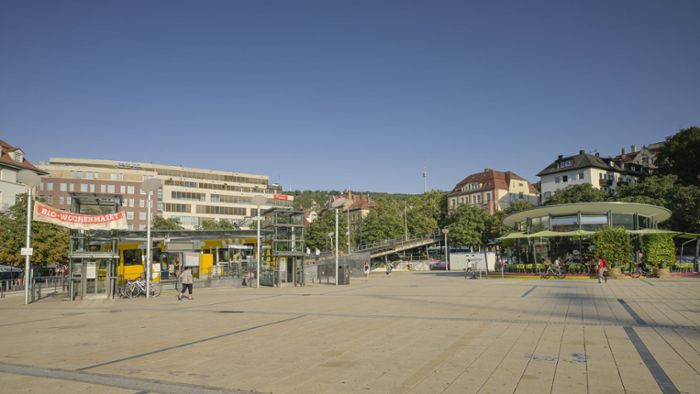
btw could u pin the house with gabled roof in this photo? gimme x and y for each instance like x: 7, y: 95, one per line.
x: 492, y: 190
x: 600, y: 172
x: 12, y: 161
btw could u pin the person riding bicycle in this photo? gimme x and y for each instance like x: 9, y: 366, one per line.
x: 557, y: 266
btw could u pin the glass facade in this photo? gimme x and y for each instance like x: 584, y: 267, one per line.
x: 585, y: 221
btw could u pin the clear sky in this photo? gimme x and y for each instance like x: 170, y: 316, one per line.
x: 336, y: 94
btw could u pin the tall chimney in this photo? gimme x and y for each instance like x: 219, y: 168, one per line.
x: 581, y: 152
x: 561, y: 157
x: 623, y: 151
x: 633, y: 148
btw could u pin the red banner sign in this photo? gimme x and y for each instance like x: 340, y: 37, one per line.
x: 280, y: 197
x: 77, y: 221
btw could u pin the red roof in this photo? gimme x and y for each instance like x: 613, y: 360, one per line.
x: 491, y: 179
x: 8, y: 160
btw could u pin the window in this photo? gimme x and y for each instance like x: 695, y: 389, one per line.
x: 580, y: 176
x: 49, y: 186
x: 217, y: 210
x: 122, y: 189
x: 113, y: 176
x: 557, y: 180
x: 129, y: 215
x: 110, y: 189
x: 488, y: 197
x: 63, y: 186
x: 521, y: 195
x: 103, y: 188
x: 92, y: 188
x: 131, y: 228
x: 129, y: 189
x: 84, y: 187
x: 565, y: 164
x: 565, y: 178
x: 176, y: 195
x: 62, y: 200
x: 178, y: 207
x: 90, y: 175
x: 131, y: 202
x: 142, y: 203
x: 68, y: 200
x: 453, y: 201
x: 547, y: 194
x: 71, y: 187
x: 142, y: 215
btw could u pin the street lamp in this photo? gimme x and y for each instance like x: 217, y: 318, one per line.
x: 330, y: 236
x: 447, y: 256
x: 31, y: 180
x: 258, y: 200
x: 337, y: 204
x: 149, y: 186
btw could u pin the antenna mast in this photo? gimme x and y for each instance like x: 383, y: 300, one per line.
x: 425, y: 179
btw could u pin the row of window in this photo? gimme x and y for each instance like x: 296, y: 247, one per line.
x: 217, y: 210
x: 130, y: 215
x: 214, y: 186
x: 113, y: 176
x: 213, y: 177
x: 177, y: 195
x: 470, y: 199
x: 567, y: 178
x: 91, y: 188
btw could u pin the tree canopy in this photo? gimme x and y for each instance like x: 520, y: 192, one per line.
x: 50, y: 242
x: 467, y: 226
x: 161, y: 223
x: 680, y: 156
x: 584, y: 192
x: 317, y: 235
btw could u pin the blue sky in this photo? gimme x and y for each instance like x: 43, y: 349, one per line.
x: 337, y: 94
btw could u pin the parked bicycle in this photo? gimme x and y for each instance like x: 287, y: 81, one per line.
x: 135, y: 288
x: 640, y: 271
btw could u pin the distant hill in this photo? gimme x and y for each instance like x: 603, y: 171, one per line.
x: 306, y: 198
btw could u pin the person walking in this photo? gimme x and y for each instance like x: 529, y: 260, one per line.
x: 186, y: 279
x: 366, y: 269
x: 388, y: 268
x: 602, y: 267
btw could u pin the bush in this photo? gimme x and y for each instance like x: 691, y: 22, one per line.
x: 614, y: 245
x: 659, y: 250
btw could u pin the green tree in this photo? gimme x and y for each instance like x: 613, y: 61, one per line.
x: 426, y: 212
x: 584, y: 192
x: 50, y: 242
x: 666, y: 191
x: 680, y: 156
x: 382, y: 223
x: 221, y: 224
x: 659, y: 250
x: 496, y: 228
x: 614, y: 245
x: 467, y: 226
x: 317, y: 234
x: 161, y: 223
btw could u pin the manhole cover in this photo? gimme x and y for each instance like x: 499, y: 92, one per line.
x: 229, y: 311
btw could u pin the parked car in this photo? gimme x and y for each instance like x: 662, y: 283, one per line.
x: 438, y: 265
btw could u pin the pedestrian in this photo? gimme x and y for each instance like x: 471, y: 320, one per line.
x: 557, y: 265
x: 388, y: 268
x: 186, y: 278
x: 602, y: 267
x: 366, y: 269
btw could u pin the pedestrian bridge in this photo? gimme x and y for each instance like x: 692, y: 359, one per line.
x: 392, y: 246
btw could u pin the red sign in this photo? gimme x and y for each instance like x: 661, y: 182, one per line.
x: 280, y: 197
x: 77, y: 221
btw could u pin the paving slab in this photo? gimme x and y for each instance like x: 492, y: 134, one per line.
x: 407, y: 333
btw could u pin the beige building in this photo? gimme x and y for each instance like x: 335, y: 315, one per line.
x: 12, y: 161
x: 492, y: 190
x: 192, y: 195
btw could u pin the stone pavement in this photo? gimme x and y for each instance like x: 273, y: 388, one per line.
x: 407, y: 333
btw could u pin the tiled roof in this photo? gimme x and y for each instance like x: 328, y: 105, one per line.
x: 6, y: 159
x: 581, y: 160
x: 491, y: 179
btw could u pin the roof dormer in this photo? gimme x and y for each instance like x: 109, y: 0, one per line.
x: 18, y: 156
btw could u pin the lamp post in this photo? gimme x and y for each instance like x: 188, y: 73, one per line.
x: 337, y: 204
x: 447, y: 256
x: 149, y: 186
x: 330, y: 236
x: 258, y: 200
x: 31, y: 180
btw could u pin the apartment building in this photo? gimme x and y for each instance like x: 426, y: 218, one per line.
x: 12, y: 161
x: 492, y: 190
x: 192, y: 195
x: 600, y: 172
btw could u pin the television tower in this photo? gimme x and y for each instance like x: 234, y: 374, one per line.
x: 425, y: 179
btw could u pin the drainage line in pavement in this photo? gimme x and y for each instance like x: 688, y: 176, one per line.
x: 528, y: 292
x: 189, y: 343
x: 632, y: 313
x: 130, y: 383
x: 664, y: 382
x: 647, y: 282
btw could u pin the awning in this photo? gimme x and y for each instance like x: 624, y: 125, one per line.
x: 552, y: 234
x: 511, y: 236
x: 649, y: 231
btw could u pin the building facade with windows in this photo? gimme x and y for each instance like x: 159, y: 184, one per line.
x: 12, y: 161
x: 601, y: 173
x: 491, y: 190
x: 191, y: 195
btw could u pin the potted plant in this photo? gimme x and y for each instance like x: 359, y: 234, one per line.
x: 659, y: 253
x: 615, y: 246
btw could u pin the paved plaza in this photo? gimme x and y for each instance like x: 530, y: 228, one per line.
x: 407, y: 333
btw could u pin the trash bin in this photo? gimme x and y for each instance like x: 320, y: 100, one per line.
x: 343, y: 274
